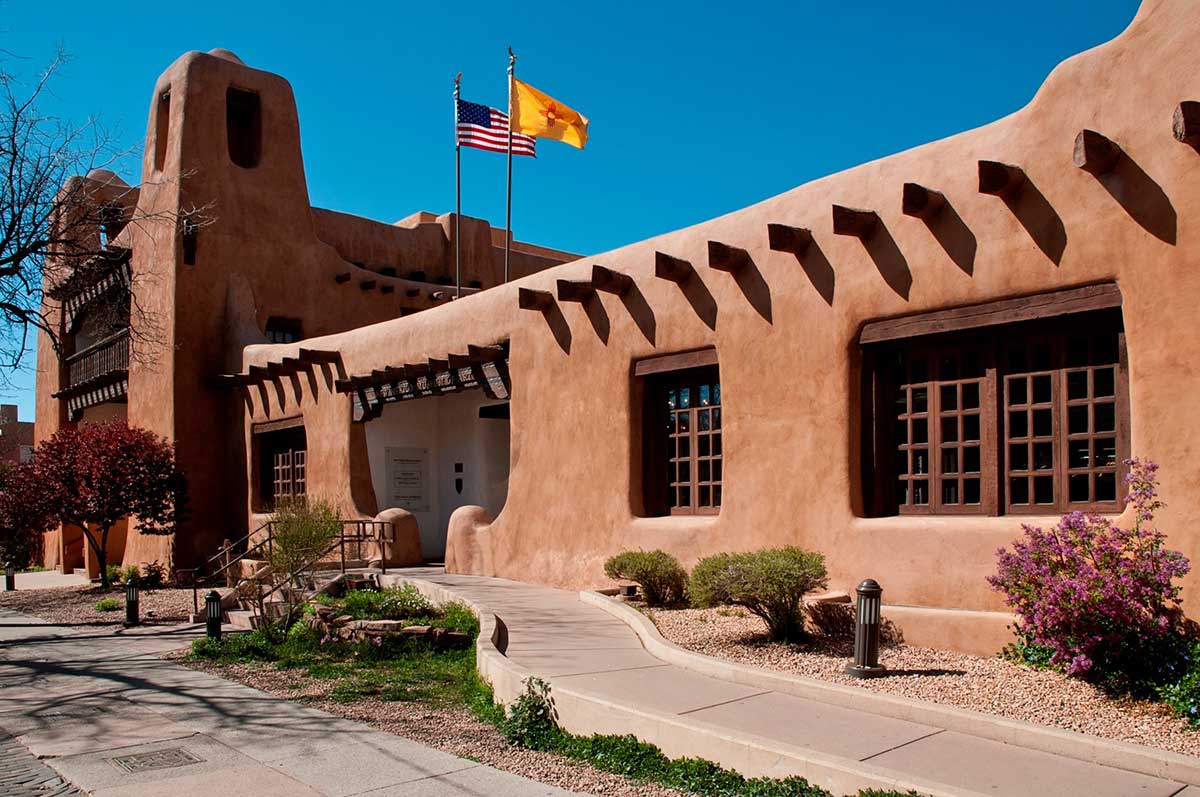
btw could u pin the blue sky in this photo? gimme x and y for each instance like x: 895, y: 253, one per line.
x: 696, y: 108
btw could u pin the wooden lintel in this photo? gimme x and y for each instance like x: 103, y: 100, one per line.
x: 671, y: 268
x: 320, y: 356
x: 485, y: 354
x: 1000, y: 179
x: 1186, y: 123
x: 724, y: 257
x: 529, y: 299
x: 853, y: 221
x: 609, y: 281
x: 782, y: 238
x: 574, y: 291
x: 1095, y: 153
x: 343, y: 278
x: 675, y: 362
x: 921, y: 202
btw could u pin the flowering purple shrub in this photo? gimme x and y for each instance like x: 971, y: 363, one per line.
x: 1096, y: 595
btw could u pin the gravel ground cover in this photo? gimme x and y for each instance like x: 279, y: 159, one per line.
x: 453, y: 730
x: 990, y: 685
x: 76, y: 606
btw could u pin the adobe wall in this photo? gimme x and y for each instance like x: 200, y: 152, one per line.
x: 787, y: 341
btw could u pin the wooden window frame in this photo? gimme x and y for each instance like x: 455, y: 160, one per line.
x: 281, y: 451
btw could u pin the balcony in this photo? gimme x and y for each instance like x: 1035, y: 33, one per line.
x: 97, y: 374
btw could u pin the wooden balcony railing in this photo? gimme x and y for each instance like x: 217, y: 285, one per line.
x: 105, y: 357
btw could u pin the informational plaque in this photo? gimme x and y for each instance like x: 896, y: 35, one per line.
x: 408, y: 478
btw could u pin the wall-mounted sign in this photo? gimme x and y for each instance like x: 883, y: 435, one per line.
x: 408, y: 478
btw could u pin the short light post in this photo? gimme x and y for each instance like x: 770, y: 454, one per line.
x: 10, y: 577
x: 212, y: 615
x: 131, y: 604
x: 866, y: 632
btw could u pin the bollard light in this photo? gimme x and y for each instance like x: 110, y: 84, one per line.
x: 131, y: 604
x: 10, y: 577
x: 212, y: 615
x: 866, y: 632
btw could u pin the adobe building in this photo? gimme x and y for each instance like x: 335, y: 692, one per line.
x: 16, y: 436
x: 896, y: 365
x: 227, y: 252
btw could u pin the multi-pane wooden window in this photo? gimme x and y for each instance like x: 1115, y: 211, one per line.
x: 683, y: 464
x: 283, y: 463
x: 1020, y: 418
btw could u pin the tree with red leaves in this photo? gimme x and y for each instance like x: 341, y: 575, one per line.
x: 95, y: 476
x: 23, y: 518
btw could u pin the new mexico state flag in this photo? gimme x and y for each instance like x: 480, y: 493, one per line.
x: 537, y: 114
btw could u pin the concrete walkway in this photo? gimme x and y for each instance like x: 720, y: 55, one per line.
x: 569, y: 643
x: 114, y: 719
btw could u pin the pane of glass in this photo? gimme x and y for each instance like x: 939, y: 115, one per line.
x: 920, y: 399
x: 685, y: 471
x: 717, y: 393
x: 1103, y: 383
x: 685, y: 397
x: 705, y: 495
x: 1018, y: 359
x: 704, y: 395
x: 716, y: 495
x: 1077, y: 352
x: 902, y: 463
x: 1105, y: 417
x: 949, y: 397
x: 1104, y: 349
x: 950, y: 429
x: 920, y: 430
x: 1078, y: 455
x: 705, y: 470
x: 1043, y: 456
x: 970, y: 491
x: 970, y: 460
x: 685, y: 446
x: 1106, y: 487
x: 902, y: 432
x: 1106, y: 451
x: 684, y: 420
x: 1077, y: 385
x: 971, y: 365
x: 1018, y: 456
x: 970, y: 395
x: 920, y: 489
x: 716, y: 444
x: 1043, y: 423
x: 717, y: 418
x: 1017, y: 390
x: 1078, y: 488
x: 900, y: 405
x: 1042, y: 357
x: 671, y: 399
x: 970, y: 426
x: 1041, y: 389
x: 1043, y: 490
x: 920, y: 459
x: 702, y: 445
x: 1018, y: 423
x: 949, y: 460
x: 1077, y: 420
x: 1018, y: 490
x: 685, y: 496
x: 716, y: 470
x: 948, y: 368
x: 705, y: 422
x: 902, y: 493
x: 920, y: 371
x: 950, y: 492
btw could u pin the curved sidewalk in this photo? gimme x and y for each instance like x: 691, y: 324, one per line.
x: 606, y: 681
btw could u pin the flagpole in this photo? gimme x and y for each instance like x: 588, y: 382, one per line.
x: 512, y: 60
x: 457, y: 196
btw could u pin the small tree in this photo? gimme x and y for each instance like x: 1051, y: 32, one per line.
x: 23, y: 518
x: 303, y: 532
x: 770, y: 584
x: 95, y: 476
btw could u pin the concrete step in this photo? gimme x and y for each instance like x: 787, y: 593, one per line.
x: 242, y: 619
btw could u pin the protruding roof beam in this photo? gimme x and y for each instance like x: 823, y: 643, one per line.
x: 724, y: 257
x: 609, y: 281
x: 459, y: 360
x: 259, y: 373
x: 367, y: 285
x: 412, y: 293
x: 438, y: 365
x: 1000, y: 179
x: 782, y: 238
x: 342, y: 278
x: 319, y: 356
x: 485, y: 354
x: 675, y: 269
x: 575, y: 291
x: 921, y: 202
x: 1186, y: 123
x: 852, y: 221
x: 1094, y: 153
x: 234, y: 380
x: 387, y: 288
x: 529, y: 299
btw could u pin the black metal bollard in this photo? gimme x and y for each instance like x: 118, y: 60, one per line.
x: 10, y: 578
x: 866, y: 632
x: 131, y: 604
x: 212, y: 615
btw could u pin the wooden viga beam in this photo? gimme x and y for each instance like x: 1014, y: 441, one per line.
x: 1000, y: 179
x: 530, y: 299
x: 320, y: 356
x: 674, y: 269
x: 609, y: 281
x: 782, y: 238
x: 1095, y: 153
x: 574, y: 291
x: 1185, y: 125
x: 484, y: 354
x: 343, y: 278
x: 259, y: 373
x: 853, y: 221
x: 730, y: 259
x: 921, y: 202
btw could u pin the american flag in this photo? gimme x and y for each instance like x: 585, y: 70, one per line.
x: 487, y: 128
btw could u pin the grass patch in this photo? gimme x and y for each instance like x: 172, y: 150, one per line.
x: 108, y: 605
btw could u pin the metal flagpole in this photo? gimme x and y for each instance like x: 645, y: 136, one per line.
x: 512, y: 60
x: 457, y: 196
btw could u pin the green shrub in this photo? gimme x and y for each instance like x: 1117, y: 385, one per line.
x: 1183, y: 695
x: 114, y: 574
x: 770, y: 584
x: 393, y: 603
x: 254, y: 646
x: 131, y: 574
x: 662, y: 580
x: 153, y: 575
x: 459, y: 617
x: 108, y: 605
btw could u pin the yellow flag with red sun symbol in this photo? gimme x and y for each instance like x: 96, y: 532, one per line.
x: 538, y: 114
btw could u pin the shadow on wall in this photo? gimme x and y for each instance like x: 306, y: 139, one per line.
x: 818, y: 270
x: 890, y: 261
x: 598, y: 316
x: 1142, y: 198
x: 752, y: 285
x: 955, y: 237
x: 701, y: 299
x: 641, y: 313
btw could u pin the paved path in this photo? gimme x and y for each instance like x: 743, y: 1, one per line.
x: 114, y: 719
x: 565, y: 641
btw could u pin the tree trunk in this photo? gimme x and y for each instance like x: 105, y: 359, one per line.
x: 99, y: 549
